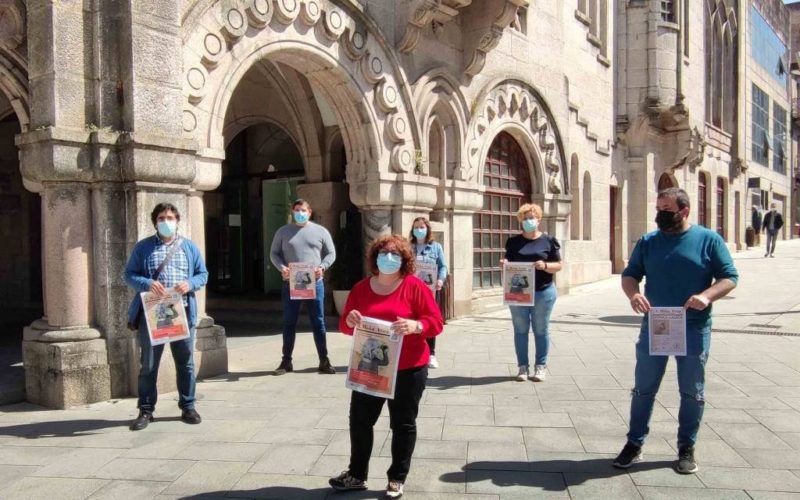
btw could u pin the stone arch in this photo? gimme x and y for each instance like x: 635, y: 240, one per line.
x: 13, y: 60
x: 516, y: 107
x: 337, y: 51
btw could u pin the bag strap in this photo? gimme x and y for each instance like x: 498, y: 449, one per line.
x: 176, y: 245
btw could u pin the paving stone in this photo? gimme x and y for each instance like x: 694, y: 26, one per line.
x: 430, y: 411
x: 116, y: 490
x: 287, y: 487
x: 750, y: 479
x: 746, y: 379
x: 340, y: 444
x: 718, y: 453
x: 425, y: 475
x: 513, y: 417
x: 300, y: 418
x: 551, y: 439
x: 663, y: 476
x: 144, y: 469
x: 599, y: 425
x: 778, y: 420
x: 723, y: 416
x: 791, y: 438
x: 227, y: 452
x: 10, y: 474
x: 610, y: 444
x: 594, y: 486
x: 748, y: 436
x: 591, y: 382
x: 483, y: 455
x: 469, y: 415
x: 558, y: 392
x: 458, y: 399
x: 80, y: 463
x: 209, y: 477
x: 526, y: 402
x: 510, y: 484
x: 773, y: 495
x: 158, y: 445
x: 289, y: 459
x: 672, y: 493
x: 747, y: 403
x: 48, y: 488
x: 482, y: 433
x: 771, y: 459
x: 281, y: 435
x: 595, y: 463
x: 24, y: 455
x: 440, y: 450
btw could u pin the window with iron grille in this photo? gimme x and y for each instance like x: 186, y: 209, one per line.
x: 760, y: 142
x: 702, y: 192
x: 778, y: 139
x: 668, y: 11
x: 508, y: 186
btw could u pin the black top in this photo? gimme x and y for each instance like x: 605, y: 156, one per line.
x: 545, y: 247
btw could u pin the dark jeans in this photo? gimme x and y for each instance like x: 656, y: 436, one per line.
x: 316, y: 314
x: 364, y: 413
x: 772, y: 236
x: 148, y: 373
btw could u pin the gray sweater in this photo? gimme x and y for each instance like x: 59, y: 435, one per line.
x: 311, y: 243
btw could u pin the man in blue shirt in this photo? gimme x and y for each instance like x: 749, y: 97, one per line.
x: 680, y: 261
x: 184, y: 271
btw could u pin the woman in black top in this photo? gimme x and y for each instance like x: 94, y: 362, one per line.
x: 544, y: 251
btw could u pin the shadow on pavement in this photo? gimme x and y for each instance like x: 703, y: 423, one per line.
x: 290, y: 493
x: 544, y: 474
x: 65, y: 428
x: 453, y: 381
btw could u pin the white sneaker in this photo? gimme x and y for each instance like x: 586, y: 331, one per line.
x: 433, y: 363
x: 539, y: 373
x: 522, y: 376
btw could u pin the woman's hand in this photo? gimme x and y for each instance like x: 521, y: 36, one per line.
x: 540, y: 265
x: 405, y: 326
x: 439, y: 284
x: 353, y: 318
x: 157, y: 288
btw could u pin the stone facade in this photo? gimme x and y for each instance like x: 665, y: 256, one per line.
x: 375, y: 110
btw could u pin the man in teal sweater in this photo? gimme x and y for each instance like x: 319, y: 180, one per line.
x: 686, y: 266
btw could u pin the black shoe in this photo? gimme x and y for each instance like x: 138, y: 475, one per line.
x: 144, y: 418
x: 191, y: 416
x: 346, y: 482
x: 686, y: 462
x: 284, y: 368
x: 629, y: 455
x: 325, y: 367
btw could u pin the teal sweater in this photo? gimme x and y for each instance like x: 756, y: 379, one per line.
x: 678, y: 266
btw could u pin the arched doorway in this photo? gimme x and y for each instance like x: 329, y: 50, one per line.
x: 20, y: 260
x: 666, y: 181
x: 506, y: 176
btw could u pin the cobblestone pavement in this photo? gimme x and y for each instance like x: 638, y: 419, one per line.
x: 481, y: 435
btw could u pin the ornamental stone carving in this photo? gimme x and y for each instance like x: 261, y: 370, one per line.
x: 12, y: 24
x: 512, y: 105
x: 489, y: 36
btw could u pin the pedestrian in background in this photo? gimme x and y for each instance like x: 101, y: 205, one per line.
x: 429, y: 250
x: 686, y: 266
x: 532, y: 245
x: 303, y: 241
x: 756, y: 222
x: 773, y: 222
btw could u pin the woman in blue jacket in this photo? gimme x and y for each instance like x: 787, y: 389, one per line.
x: 428, y: 250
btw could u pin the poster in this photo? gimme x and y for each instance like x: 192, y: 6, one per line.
x: 667, y: 330
x: 302, y: 281
x: 428, y: 273
x: 165, y: 316
x: 374, y: 359
x: 519, y: 281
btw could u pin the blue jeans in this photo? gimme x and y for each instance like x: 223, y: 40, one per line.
x: 691, y: 382
x: 539, y: 315
x: 316, y: 314
x: 148, y: 373
x: 772, y: 236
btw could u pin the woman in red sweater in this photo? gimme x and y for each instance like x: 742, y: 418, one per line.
x: 393, y: 294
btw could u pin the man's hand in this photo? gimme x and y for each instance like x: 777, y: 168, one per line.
x: 639, y: 303
x: 157, y: 288
x: 318, y: 272
x: 285, y: 273
x: 353, y: 318
x: 697, y: 302
x: 404, y: 326
x: 183, y: 287
x: 439, y: 284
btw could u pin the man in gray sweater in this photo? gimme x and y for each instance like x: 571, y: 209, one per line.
x: 306, y: 242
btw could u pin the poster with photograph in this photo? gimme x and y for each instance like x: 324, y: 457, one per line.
x: 519, y: 281
x: 374, y: 359
x: 302, y: 281
x: 667, y: 328
x: 165, y: 317
x: 428, y: 273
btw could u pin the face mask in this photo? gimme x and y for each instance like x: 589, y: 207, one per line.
x: 389, y: 263
x: 167, y: 228
x: 529, y: 225
x: 667, y: 220
x: 301, y: 217
x: 420, y: 232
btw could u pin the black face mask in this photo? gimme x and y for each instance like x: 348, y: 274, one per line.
x: 668, y: 221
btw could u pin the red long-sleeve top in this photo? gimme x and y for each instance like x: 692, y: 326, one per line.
x: 411, y: 300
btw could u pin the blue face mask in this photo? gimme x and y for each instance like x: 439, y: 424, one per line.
x: 529, y: 225
x: 300, y: 217
x: 389, y: 263
x: 420, y: 233
x: 167, y: 228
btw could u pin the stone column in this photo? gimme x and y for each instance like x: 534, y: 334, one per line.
x: 65, y: 358
x: 377, y: 222
x: 211, y: 353
x: 461, y: 266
